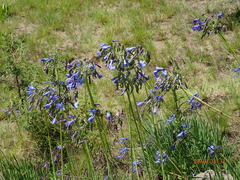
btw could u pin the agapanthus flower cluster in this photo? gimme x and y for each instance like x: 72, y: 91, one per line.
x: 195, y: 104
x: 164, y: 80
x: 129, y: 63
x: 161, y: 158
x: 78, y: 71
x: 54, y: 98
x: 208, y: 25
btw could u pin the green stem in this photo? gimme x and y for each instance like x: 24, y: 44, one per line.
x: 136, y: 124
x: 100, y: 129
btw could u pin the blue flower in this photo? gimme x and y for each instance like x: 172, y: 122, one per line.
x: 128, y: 49
x: 155, y: 110
x: 68, y: 123
x: 141, y: 64
x: 29, y: 92
x: 105, y: 47
x: 219, y: 15
x: 92, y: 115
x: 31, y: 87
x: 46, y: 106
x: 125, y: 63
x: 98, y: 53
x: 236, y: 71
x: 60, y: 106
x: 159, y: 98
x: 99, y: 76
x: 139, y: 104
x: 184, y: 125
x: 195, y: 103
x: 172, y: 117
x: 110, y: 65
x: 115, y: 79
x: 105, y: 58
x: 135, y: 163
x: 47, y: 59
x: 123, y: 140
x: 76, y: 104
x: 54, y: 120
x: 158, y: 69
x: 197, y: 28
x: 162, y: 159
x: 102, y: 44
x: 196, y: 20
x: 213, y: 149
x: 108, y: 115
x: 124, y: 149
x: 122, y: 153
x: 181, y: 134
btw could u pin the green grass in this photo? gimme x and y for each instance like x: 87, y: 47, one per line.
x: 32, y: 29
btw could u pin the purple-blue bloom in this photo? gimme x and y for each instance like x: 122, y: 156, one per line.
x: 111, y: 66
x: 76, y: 104
x: 139, y: 104
x: 181, y: 134
x: 68, y: 123
x: 106, y: 47
x: 237, y: 69
x: 123, y: 140
x: 197, y: 28
x: 159, y: 98
x: 196, y: 20
x: 130, y: 49
x: 102, y: 44
x: 60, y: 106
x: 54, y: 120
x: 158, y: 69
x: 108, y: 115
x: 194, y: 103
x: 172, y: 117
x: 219, y: 15
x: 31, y: 87
x: 46, y: 106
x: 47, y: 59
x: 155, y: 110
x: 141, y: 64
x: 115, y: 79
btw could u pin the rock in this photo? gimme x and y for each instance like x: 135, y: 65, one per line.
x: 210, y: 174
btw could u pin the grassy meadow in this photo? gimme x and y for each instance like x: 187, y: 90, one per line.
x: 75, y: 108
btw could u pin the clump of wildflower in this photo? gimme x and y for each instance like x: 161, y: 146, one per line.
x: 161, y: 158
x: 208, y: 25
x: 129, y: 63
x: 195, y: 104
